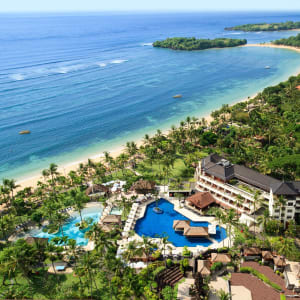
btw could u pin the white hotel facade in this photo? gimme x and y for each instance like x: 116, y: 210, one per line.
x: 234, y: 186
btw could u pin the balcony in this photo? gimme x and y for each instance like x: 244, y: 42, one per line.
x: 225, y: 198
x: 227, y: 187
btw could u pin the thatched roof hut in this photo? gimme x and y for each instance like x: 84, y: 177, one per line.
x: 196, y: 232
x: 267, y: 255
x: 96, y: 189
x: 203, y: 267
x: 30, y: 240
x: 252, y: 251
x: 181, y: 225
x: 279, y: 261
x: 143, y: 186
x: 112, y: 219
x: 220, y: 257
x: 201, y: 200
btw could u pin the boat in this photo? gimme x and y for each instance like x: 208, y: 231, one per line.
x: 177, y: 96
x: 267, y: 67
x: 24, y: 132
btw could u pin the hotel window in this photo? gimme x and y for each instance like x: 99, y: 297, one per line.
x: 289, y: 217
x: 290, y: 203
x: 289, y: 210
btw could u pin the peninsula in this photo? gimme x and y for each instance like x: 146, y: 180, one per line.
x: 190, y: 44
x: 292, y: 41
x: 289, y: 25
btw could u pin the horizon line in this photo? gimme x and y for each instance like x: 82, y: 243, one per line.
x: 147, y: 11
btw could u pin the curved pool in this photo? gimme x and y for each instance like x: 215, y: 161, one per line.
x: 153, y: 224
x: 70, y: 229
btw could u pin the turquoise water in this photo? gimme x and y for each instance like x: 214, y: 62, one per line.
x: 89, y: 83
x: 116, y: 211
x: 153, y: 224
x: 70, y: 229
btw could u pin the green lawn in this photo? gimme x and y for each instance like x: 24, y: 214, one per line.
x: 179, y: 170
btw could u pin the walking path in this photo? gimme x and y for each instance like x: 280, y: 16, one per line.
x: 270, y: 274
x: 184, y: 289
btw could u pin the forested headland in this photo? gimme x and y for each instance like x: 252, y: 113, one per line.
x: 189, y: 44
x: 289, y: 25
x: 293, y: 41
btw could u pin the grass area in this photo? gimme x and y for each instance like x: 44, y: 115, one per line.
x: 260, y: 276
x: 282, y: 297
x: 179, y: 170
x: 245, y: 188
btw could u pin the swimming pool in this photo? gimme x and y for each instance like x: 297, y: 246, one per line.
x: 116, y: 211
x: 153, y: 224
x: 70, y: 229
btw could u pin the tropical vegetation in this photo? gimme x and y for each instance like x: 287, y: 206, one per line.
x: 262, y: 133
x: 293, y: 41
x: 189, y: 44
x: 289, y: 25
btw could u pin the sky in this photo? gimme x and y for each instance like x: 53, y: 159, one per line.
x: 145, y: 5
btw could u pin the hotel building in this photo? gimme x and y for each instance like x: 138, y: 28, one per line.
x: 234, y: 186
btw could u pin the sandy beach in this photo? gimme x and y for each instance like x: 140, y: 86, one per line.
x: 65, y: 169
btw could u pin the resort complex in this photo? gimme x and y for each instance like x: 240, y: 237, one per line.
x: 208, y: 210
x: 245, y: 190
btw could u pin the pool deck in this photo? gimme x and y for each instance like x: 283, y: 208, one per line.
x: 193, y: 216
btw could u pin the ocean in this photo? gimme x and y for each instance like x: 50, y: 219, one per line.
x: 87, y: 83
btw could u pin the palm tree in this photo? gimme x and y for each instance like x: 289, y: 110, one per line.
x: 11, y: 185
x: 147, y: 245
x: 231, y: 220
x: 222, y: 295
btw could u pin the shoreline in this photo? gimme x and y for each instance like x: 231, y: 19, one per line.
x: 73, y: 166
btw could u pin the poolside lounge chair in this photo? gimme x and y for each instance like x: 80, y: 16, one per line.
x: 60, y: 268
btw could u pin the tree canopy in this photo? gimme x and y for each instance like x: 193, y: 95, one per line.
x: 182, y: 43
x: 289, y: 25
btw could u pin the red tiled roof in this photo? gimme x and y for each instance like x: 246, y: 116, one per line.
x: 201, y: 199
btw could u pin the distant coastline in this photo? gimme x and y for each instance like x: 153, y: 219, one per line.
x: 270, y: 45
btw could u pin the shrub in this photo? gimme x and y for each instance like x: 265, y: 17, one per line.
x: 186, y: 251
x: 158, y: 270
x: 169, y: 262
x: 156, y: 254
x: 282, y: 297
x: 216, y: 266
x: 261, y: 277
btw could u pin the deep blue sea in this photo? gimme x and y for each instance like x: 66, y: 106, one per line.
x: 83, y: 84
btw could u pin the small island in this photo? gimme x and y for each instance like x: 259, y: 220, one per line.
x: 292, y: 41
x: 190, y: 44
x: 289, y: 25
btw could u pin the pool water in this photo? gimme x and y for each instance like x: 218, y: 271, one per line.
x: 70, y: 229
x: 153, y: 224
x: 116, y: 211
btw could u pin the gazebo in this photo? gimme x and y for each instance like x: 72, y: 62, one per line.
x: 220, y: 257
x: 196, y: 232
x: 97, y: 189
x: 143, y: 186
x: 203, y: 267
x: 279, y: 263
x: 112, y: 220
x: 201, y: 200
x: 267, y: 256
x: 181, y: 225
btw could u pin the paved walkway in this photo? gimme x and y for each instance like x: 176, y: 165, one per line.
x: 270, y: 274
x: 259, y: 290
x: 240, y: 292
x: 184, y: 289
